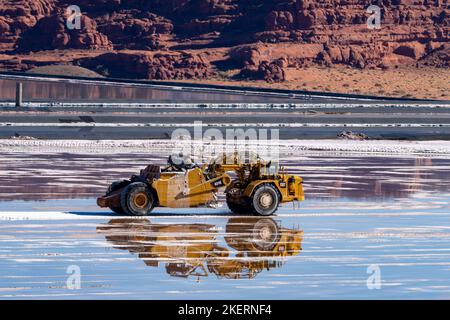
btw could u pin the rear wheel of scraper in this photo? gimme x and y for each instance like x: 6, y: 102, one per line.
x: 116, y: 185
x: 265, y: 200
x: 137, y: 199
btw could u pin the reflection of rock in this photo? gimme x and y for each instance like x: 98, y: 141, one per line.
x: 349, y: 135
x: 21, y: 137
x: 193, y: 249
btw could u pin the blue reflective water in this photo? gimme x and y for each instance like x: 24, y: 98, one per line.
x: 326, y: 248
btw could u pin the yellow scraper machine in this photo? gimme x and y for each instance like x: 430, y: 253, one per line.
x: 251, y: 187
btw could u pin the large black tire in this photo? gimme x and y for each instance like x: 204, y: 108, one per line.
x: 137, y: 199
x: 116, y: 185
x: 238, y: 207
x: 265, y: 200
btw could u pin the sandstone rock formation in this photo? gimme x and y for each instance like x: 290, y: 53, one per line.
x: 271, y: 71
x: 52, y: 33
x: 439, y: 57
x: 159, y: 66
x: 134, y: 29
x: 255, y: 35
x: 17, y: 16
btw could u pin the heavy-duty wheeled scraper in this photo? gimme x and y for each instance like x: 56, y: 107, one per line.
x: 255, y: 187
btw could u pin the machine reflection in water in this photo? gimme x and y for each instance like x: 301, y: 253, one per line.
x: 248, y: 246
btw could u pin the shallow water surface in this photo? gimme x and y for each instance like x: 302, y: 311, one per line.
x: 388, y: 214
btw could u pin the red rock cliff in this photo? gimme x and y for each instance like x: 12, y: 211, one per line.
x: 261, y: 37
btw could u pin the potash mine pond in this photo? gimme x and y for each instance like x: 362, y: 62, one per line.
x: 370, y: 205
